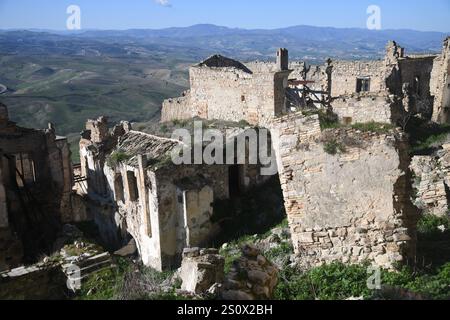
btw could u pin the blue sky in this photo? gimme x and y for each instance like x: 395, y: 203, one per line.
x: 427, y: 15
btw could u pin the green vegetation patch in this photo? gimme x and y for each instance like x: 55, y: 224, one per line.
x: 117, y: 157
x: 334, y: 147
x: 128, y: 281
x: 338, y: 281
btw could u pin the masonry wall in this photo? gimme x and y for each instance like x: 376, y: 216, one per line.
x: 348, y: 207
x: 32, y: 208
x: 345, y: 73
x: 172, y: 206
x: 178, y: 108
x: 319, y: 74
x: 364, y: 108
x: 432, y: 181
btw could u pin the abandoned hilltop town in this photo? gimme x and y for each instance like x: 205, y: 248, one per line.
x: 351, y: 194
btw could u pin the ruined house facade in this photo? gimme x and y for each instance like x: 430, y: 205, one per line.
x: 225, y: 89
x: 386, y: 89
x: 35, y: 190
x: 136, y: 191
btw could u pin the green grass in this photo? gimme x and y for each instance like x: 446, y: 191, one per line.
x: 337, y: 281
x: 127, y: 281
x: 104, y: 285
x: 330, y: 282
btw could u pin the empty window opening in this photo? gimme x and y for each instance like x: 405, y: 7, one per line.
x: 25, y: 169
x: 234, y: 181
x: 118, y: 188
x: 132, y: 186
x: 363, y: 84
x: 243, y: 98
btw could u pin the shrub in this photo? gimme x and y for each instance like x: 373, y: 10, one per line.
x: 280, y: 255
x: 333, y: 147
x: 164, y: 128
x: 432, y: 286
x: 428, y: 226
x: 426, y: 136
x: 117, y: 157
x: 328, y: 120
x: 104, y: 284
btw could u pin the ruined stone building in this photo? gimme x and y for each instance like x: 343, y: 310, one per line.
x: 136, y: 191
x: 347, y: 193
x: 387, y: 89
x: 222, y: 88
x: 35, y: 190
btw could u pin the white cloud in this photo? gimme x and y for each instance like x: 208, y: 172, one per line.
x: 164, y: 3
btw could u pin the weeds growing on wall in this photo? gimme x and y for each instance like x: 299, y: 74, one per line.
x: 116, y: 158
x: 333, y: 147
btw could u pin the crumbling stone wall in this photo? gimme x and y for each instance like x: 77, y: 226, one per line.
x: 352, y: 206
x: 35, y: 189
x: 135, y: 190
x: 178, y: 108
x: 363, y: 108
x: 440, y: 85
x: 220, y: 89
x: 432, y: 181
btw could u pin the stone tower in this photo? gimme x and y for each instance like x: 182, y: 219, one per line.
x: 282, y: 59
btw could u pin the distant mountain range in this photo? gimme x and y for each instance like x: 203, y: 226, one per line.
x: 304, y: 42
